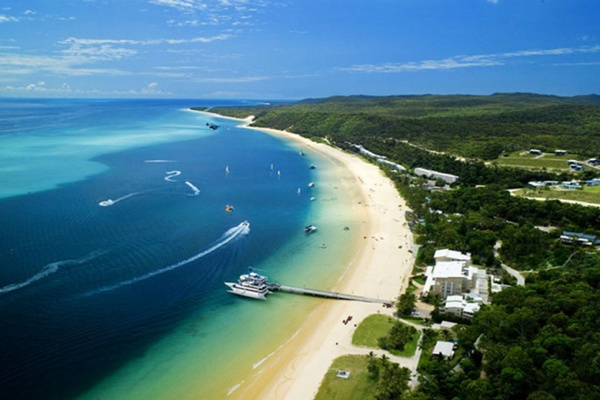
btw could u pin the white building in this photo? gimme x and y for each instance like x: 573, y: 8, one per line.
x: 428, y: 173
x: 453, y: 275
x: 444, y: 350
x: 451, y: 255
x: 460, y: 307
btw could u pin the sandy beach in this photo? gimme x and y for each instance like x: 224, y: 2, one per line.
x: 381, y: 268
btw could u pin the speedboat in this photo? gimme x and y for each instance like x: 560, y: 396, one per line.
x: 310, y: 228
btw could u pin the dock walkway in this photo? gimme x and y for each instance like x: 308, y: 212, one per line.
x: 326, y: 294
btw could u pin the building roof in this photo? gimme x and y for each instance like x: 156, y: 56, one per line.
x: 471, y: 308
x: 447, y: 324
x: 443, y: 348
x: 448, y: 269
x: 451, y: 254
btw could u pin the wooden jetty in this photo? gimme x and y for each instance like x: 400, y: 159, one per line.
x: 325, y: 294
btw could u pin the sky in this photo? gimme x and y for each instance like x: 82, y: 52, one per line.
x: 295, y: 49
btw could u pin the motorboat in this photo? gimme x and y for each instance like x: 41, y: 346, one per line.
x: 310, y: 229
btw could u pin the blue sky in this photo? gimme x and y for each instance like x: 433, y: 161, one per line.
x: 293, y: 49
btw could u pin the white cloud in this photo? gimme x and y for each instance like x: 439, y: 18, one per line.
x: 5, y: 18
x: 184, y: 5
x: 42, y: 89
x: 462, y: 61
x: 82, y: 52
x: 242, y: 79
x: 214, y: 12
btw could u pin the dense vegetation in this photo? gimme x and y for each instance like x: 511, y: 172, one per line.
x: 538, y: 341
x: 481, y: 127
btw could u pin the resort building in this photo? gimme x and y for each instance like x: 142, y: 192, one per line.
x: 593, y: 182
x: 428, y: 173
x: 380, y: 159
x: 578, y: 238
x: 444, y: 350
x: 535, y: 152
x: 453, y: 275
x: 571, y: 185
x: 541, y: 184
x: 461, y: 307
x: 451, y: 255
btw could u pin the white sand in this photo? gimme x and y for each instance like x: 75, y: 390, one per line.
x: 381, y: 270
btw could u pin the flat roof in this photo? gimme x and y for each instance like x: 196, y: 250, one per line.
x: 444, y: 348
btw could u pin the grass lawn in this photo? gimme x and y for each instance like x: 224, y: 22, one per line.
x: 371, y: 329
x: 411, y: 288
x: 525, y: 160
x: 589, y: 194
x: 375, y: 326
x: 358, y: 386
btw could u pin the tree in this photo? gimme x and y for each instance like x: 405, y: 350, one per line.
x: 397, y: 337
x: 392, y: 380
x: 406, y: 304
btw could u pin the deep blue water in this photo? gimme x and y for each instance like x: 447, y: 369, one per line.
x: 86, y: 288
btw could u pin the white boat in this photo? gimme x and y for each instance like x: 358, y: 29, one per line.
x: 310, y: 229
x: 311, y: 184
x: 250, y: 285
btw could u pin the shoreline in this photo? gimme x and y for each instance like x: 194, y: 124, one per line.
x: 382, y: 266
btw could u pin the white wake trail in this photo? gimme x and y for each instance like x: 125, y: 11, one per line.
x: 194, y: 188
x: 49, y: 270
x: 171, y: 175
x: 110, y: 202
x: 231, y: 234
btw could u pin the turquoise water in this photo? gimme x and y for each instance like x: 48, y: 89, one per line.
x: 116, y: 242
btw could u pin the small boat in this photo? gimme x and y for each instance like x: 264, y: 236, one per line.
x: 250, y: 285
x: 106, y: 203
x: 312, y: 184
x: 310, y: 229
x: 312, y: 166
x: 313, y: 198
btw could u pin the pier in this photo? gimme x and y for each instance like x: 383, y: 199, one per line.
x: 325, y: 294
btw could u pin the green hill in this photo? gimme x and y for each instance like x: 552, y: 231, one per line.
x: 481, y: 127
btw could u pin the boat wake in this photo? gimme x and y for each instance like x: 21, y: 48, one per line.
x: 171, y: 175
x: 110, y: 202
x: 194, y: 188
x: 49, y: 270
x: 228, y: 236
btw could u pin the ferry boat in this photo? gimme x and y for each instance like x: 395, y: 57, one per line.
x: 251, y: 285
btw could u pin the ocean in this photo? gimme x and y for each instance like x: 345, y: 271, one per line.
x: 121, y: 219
